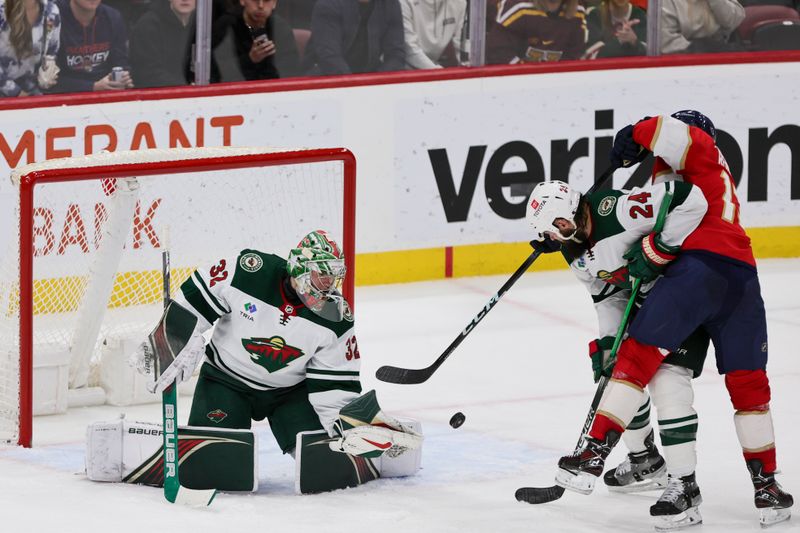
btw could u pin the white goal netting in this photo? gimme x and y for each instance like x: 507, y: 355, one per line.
x: 97, y: 243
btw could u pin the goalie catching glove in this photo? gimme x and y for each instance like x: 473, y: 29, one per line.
x: 366, y: 431
x: 172, y: 350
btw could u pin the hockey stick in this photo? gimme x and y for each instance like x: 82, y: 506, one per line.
x: 537, y: 495
x: 173, y: 491
x: 412, y: 376
x: 549, y: 494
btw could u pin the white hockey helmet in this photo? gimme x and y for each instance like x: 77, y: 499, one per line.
x: 548, y: 201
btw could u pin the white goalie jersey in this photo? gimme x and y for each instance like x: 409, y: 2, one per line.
x: 265, y: 340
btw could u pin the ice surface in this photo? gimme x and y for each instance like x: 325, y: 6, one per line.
x: 522, y: 379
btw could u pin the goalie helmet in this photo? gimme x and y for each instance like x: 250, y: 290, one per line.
x: 317, y: 267
x: 698, y: 120
x: 548, y: 201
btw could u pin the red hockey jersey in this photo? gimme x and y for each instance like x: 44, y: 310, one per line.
x: 692, y: 154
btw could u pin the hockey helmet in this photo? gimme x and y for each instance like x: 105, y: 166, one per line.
x: 317, y: 267
x: 697, y: 119
x: 549, y: 201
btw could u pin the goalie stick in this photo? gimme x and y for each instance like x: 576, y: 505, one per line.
x: 413, y: 376
x: 173, y: 491
x: 536, y: 495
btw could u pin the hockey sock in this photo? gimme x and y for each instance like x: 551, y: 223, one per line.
x: 637, y: 362
x: 617, y: 408
x: 639, y: 428
x: 750, y: 395
x: 672, y: 395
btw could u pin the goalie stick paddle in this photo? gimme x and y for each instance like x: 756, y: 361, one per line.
x: 413, y: 376
x: 173, y: 491
x: 536, y: 495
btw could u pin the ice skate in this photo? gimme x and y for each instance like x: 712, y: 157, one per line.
x: 770, y: 499
x: 640, y: 471
x: 579, y: 471
x: 678, y: 506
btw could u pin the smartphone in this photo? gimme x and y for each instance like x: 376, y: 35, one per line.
x: 259, y: 35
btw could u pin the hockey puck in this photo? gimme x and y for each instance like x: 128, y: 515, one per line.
x: 457, y: 419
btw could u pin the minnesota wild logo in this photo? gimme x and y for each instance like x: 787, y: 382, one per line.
x: 272, y: 353
x: 619, y: 277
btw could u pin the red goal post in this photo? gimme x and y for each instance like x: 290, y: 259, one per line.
x: 221, y: 197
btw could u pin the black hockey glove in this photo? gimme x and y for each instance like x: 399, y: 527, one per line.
x: 626, y: 152
x: 599, y: 351
x: 547, y: 245
x: 649, y: 257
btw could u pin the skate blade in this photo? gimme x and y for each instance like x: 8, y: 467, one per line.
x: 640, y: 486
x: 690, y: 517
x: 582, y: 483
x: 770, y: 517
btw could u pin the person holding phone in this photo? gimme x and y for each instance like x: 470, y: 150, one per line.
x: 265, y: 45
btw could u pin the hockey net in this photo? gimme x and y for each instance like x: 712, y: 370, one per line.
x: 92, y: 231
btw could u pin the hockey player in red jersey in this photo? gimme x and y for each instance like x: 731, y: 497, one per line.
x: 712, y: 283
x: 594, y: 231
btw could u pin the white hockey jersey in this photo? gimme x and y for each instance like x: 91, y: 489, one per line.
x: 620, y: 220
x: 264, y: 340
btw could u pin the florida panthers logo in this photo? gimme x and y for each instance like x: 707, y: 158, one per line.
x: 272, y: 353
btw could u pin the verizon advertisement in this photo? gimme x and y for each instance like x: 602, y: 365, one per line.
x: 451, y: 162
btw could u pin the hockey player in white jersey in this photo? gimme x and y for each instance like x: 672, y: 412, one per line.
x: 283, y: 348
x: 594, y: 232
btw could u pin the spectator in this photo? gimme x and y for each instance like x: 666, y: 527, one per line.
x: 698, y: 25
x: 617, y: 28
x: 351, y: 36
x: 161, y: 44
x: 537, y: 30
x: 131, y: 10
x: 93, y: 40
x: 29, y: 39
x: 430, y: 26
x: 296, y: 12
x: 265, y: 44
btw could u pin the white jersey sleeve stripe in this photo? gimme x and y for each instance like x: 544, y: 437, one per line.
x: 672, y: 142
x: 206, y: 293
x: 313, y: 373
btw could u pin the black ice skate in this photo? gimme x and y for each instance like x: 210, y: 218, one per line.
x: 639, y: 471
x: 579, y: 471
x: 677, y: 508
x: 771, y: 500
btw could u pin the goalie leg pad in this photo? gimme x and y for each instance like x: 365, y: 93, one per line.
x: 320, y: 469
x: 407, y: 463
x: 131, y: 452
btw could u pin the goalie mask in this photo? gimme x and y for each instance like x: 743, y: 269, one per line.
x: 317, y: 269
x: 549, y: 201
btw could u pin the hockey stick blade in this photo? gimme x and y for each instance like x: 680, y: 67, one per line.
x: 411, y: 376
x: 404, y: 376
x: 194, y: 497
x: 537, y: 495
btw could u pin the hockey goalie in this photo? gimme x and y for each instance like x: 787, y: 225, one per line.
x: 283, y: 349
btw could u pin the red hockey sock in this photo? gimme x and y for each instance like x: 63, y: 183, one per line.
x: 767, y: 458
x: 602, y: 425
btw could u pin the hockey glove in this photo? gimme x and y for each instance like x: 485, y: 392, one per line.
x: 171, y: 352
x: 647, y: 259
x: 547, y: 245
x: 626, y: 152
x: 364, y: 430
x: 599, y: 351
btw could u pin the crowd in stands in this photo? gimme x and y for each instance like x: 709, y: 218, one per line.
x: 61, y: 46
